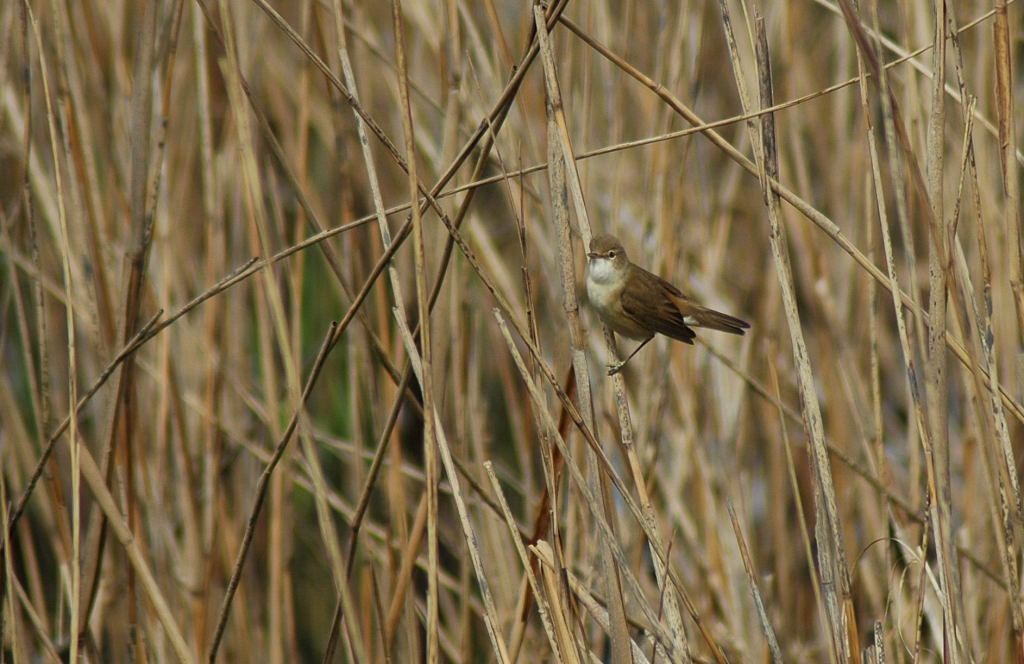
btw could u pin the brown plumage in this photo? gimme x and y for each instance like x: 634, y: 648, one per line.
x: 661, y: 307
x: 638, y: 304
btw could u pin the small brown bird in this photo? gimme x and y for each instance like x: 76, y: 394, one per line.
x: 637, y: 304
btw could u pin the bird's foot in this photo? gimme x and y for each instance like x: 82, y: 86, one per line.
x: 615, y: 368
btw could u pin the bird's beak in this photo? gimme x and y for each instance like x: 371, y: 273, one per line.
x: 591, y: 254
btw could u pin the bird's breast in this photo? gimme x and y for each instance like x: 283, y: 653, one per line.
x: 604, y: 290
x: 603, y: 287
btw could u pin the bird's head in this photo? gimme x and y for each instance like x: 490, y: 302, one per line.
x: 606, y: 257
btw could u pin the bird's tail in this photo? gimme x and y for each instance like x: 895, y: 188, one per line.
x: 716, y: 320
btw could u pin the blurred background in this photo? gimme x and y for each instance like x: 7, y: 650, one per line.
x: 193, y: 193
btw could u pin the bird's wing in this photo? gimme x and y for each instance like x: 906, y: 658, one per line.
x: 697, y: 315
x: 650, y: 302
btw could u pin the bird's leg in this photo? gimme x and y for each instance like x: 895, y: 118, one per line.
x: 617, y: 367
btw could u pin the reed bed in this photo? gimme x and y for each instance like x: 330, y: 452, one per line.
x: 297, y: 364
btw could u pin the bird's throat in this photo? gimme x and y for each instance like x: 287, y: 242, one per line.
x: 605, y: 281
x: 607, y: 272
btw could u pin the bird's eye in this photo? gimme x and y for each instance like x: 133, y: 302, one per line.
x: 611, y: 254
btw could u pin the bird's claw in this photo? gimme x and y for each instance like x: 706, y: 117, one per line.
x: 615, y: 368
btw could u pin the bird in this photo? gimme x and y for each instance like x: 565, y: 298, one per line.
x: 638, y: 304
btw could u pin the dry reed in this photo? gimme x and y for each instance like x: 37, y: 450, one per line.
x: 296, y: 365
